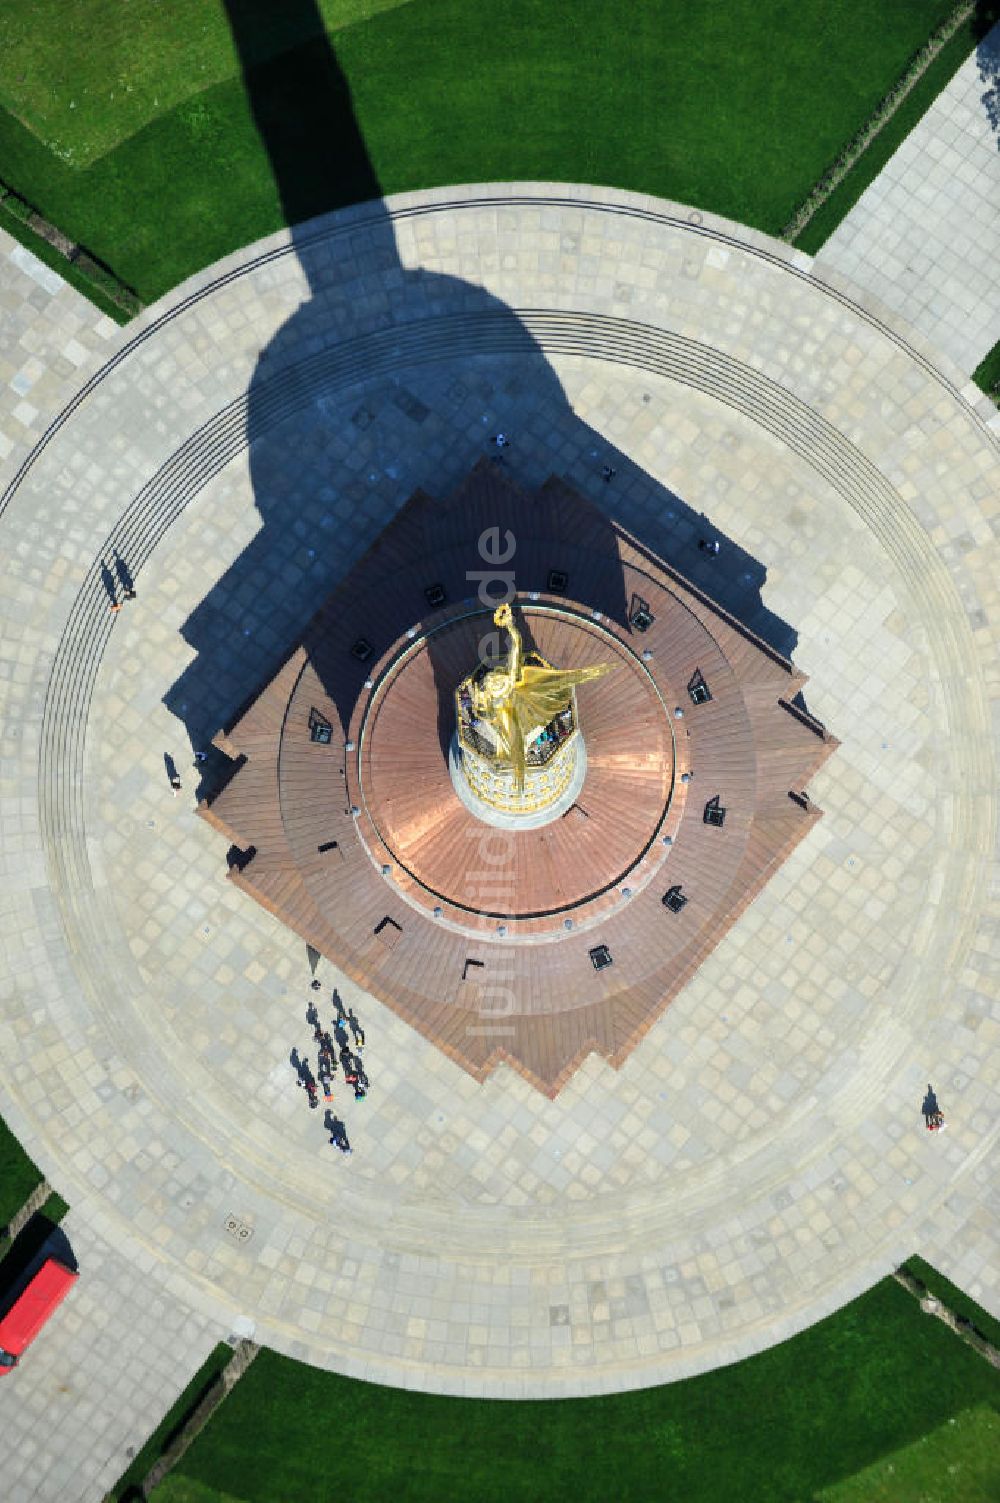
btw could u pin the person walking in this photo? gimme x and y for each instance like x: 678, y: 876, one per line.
x: 932, y: 1113
x: 326, y: 1078
x: 124, y: 576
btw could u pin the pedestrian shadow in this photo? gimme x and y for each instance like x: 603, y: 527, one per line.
x: 301, y: 1067
x: 108, y: 581
x: 252, y: 618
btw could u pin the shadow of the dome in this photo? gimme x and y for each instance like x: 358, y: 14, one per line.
x: 367, y: 322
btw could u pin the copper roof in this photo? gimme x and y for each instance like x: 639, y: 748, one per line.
x: 480, y: 937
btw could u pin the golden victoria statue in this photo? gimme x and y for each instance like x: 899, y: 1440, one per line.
x: 522, y: 697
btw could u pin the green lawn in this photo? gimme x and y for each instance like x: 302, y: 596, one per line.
x: 914, y: 106
x: 987, y: 373
x: 779, y: 1428
x: 957, y: 1463
x: 735, y: 106
x: 18, y: 1175
x: 84, y: 75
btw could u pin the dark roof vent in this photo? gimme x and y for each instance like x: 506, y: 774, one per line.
x: 640, y: 616
x: 320, y: 729
x: 698, y: 689
x: 714, y: 814
x: 600, y: 957
x: 674, y: 899
x: 389, y: 932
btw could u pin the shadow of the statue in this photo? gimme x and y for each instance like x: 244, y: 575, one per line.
x: 368, y: 332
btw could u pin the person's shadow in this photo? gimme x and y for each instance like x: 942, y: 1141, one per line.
x: 303, y: 1073
x: 252, y: 618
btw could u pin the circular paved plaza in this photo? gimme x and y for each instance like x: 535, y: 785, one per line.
x: 759, y: 1158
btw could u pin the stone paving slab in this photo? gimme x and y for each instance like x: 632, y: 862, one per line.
x: 53, y: 341
x: 760, y: 1158
x: 924, y: 237
x: 99, y: 1377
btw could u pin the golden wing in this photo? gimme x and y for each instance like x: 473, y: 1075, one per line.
x: 541, y: 694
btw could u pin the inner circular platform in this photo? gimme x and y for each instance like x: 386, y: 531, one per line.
x: 758, y: 1157
x: 498, y: 819
x: 408, y: 792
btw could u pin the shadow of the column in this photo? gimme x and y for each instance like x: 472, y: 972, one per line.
x: 257, y: 610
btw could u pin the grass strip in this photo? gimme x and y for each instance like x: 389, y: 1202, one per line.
x: 18, y: 1175
x: 987, y: 374
x: 773, y: 1429
x: 16, y: 226
x: 950, y: 1295
x: 129, y: 1484
x: 877, y: 122
x: 54, y: 1208
x: 870, y: 163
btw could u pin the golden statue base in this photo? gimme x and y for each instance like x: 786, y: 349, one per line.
x: 491, y: 793
x: 518, y: 756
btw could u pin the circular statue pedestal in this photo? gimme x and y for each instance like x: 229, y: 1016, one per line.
x: 540, y: 802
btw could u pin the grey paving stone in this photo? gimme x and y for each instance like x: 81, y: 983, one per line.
x: 924, y: 238
x: 147, y: 1010
x: 97, y: 1380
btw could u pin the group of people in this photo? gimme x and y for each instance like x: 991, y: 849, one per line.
x: 344, y: 1045
x: 329, y: 1049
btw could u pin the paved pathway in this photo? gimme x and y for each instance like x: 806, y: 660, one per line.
x: 924, y: 238
x: 760, y: 1158
x: 98, y: 1379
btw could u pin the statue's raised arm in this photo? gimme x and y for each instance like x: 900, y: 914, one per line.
x: 503, y: 616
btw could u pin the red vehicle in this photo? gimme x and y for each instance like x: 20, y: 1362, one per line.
x: 31, y: 1309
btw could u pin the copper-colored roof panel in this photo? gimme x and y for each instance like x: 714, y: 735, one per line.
x: 364, y: 847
